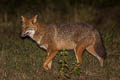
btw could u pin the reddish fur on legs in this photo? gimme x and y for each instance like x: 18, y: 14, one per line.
x: 78, y: 52
x: 48, y: 60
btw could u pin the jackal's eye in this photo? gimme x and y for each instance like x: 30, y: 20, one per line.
x: 31, y: 29
x: 23, y: 26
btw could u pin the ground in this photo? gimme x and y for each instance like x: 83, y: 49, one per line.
x: 22, y: 59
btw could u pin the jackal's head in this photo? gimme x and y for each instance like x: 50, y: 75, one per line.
x: 28, y: 26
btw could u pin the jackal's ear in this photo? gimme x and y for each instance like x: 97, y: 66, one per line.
x: 35, y: 19
x: 23, y: 18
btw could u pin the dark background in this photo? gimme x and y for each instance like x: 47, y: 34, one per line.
x: 61, y: 10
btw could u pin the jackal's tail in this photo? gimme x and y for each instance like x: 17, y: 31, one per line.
x: 99, y: 46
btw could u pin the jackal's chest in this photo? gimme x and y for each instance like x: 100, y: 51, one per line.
x: 42, y: 45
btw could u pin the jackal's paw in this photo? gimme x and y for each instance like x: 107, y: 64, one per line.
x: 45, y: 66
x: 78, y: 64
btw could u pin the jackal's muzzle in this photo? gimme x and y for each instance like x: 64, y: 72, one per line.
x: 24, y: 34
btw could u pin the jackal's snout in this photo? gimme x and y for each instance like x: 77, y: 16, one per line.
x: 24, y: 34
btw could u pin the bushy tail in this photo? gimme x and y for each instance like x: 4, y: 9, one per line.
x: 99, y: 46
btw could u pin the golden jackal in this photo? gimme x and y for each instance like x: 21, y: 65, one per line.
x: 53, y: 37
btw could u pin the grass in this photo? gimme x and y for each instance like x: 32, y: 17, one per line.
x: 22, y: 59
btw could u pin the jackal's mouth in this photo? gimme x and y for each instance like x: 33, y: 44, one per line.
x: 24, y: 34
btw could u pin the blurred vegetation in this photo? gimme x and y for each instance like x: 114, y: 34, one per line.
x: 59, y: 11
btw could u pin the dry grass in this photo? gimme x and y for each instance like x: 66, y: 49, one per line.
x: 22, y: 60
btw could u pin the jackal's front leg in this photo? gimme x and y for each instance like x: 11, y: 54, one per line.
x: 48, y: 61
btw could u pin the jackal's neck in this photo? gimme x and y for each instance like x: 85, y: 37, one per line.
x: 40, y: 31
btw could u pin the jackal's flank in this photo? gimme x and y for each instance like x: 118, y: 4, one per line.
x: 54, y: 37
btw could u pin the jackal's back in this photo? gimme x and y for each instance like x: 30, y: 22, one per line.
x: 67, y: 35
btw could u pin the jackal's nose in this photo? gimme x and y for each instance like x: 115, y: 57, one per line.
x: 23, y: 35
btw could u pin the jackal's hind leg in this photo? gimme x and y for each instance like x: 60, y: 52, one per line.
x: 91, y: 50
